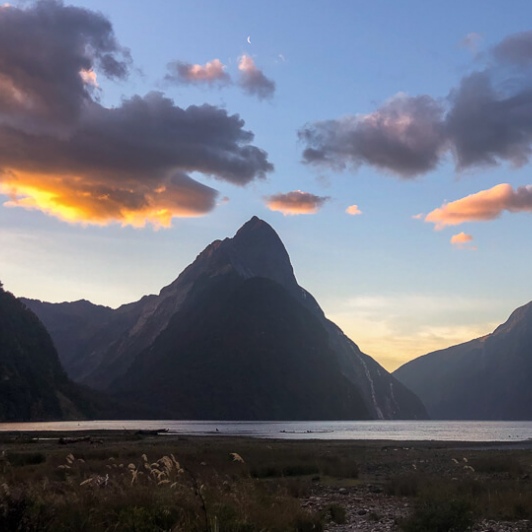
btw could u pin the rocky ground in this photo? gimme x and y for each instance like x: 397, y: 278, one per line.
x: 369, y: 507
x: 369, y: 510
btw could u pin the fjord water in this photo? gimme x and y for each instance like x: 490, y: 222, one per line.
x: 466, y: 431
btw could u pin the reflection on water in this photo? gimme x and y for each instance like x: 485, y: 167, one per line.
x: 506, y: 431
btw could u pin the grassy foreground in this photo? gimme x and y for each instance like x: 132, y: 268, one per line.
x: 126, y: 482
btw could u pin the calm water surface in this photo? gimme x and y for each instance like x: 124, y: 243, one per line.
x: 495, y: 431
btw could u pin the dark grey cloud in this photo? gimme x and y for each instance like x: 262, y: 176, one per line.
x: 486, y: 120
x: 62, y: 152
x: 252, y: 79
x: 405, y: 136
x: 515, y: 49
x: 144, y: 136
x: 486, y: 126
x: 43, y: 49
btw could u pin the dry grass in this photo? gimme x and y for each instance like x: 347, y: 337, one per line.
x: 126, y: 486
x: 155, y: 484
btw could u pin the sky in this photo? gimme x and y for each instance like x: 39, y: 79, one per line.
x: 388, y: 144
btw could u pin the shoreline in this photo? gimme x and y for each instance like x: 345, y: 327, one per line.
x: 164, y: 435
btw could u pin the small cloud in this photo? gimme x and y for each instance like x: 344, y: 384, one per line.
x: 418, y: 216
x: 89, y: 77
x: 353, y: 210
x: 471, y: 41
x: 461, y: 240
x: 296, y: 202
x: 188, y: 73
x: 252, y: 79
x: 223, y: 201
x: 482, y: 206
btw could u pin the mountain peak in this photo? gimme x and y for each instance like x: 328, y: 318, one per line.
x: 257, y: 251
x: 254, y: 224
x: 521, y: 318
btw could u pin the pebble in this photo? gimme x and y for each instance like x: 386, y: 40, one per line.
x: 382, y: 513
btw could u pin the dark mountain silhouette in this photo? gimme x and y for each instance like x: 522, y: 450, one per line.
x: 487, y: 378
x: 33, y: 385
x: 233, y: 337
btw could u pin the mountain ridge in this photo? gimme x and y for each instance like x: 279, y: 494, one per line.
x: 255, y: 252
x: 486, y: 378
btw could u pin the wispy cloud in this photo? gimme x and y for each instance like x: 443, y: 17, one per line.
x: 482, y: 206
x: 296, y: 202
x: 65, y: 154
x: 394, y: 329
x: 472, y: 41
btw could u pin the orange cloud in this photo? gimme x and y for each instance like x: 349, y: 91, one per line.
x: 461, y: 240
x: 353, y: 210
x: 89, y: 77
x: 86, y: 201
x: 482, y: 206
x: 295, y: 202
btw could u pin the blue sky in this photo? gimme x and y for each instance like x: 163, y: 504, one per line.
x: 352, y: 74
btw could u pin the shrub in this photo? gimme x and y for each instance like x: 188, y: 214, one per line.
x: 337, y: 513
x: 23, y: 459
x: 439, y: 516
x: 20, y: 513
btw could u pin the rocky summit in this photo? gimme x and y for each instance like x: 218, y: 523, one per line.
x: 233, y: 337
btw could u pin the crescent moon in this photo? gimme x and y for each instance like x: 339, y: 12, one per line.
x: 249, y: 39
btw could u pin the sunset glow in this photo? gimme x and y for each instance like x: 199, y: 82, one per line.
x: 343, y: 126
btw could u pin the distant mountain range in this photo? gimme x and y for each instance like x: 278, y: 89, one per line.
x: 233, y: 337
x: 486, y: 379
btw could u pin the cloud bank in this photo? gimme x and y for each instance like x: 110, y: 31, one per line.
x: 485, y: 121
x: 296, y: 202
x: 63, y: 153
x: 482, y: 206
